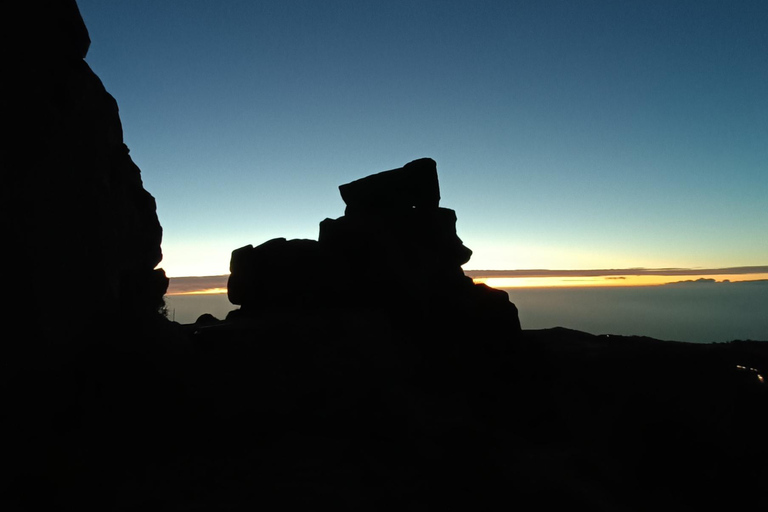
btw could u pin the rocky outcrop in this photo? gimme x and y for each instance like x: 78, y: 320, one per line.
x: 77, y: 219
x: 395, y: 246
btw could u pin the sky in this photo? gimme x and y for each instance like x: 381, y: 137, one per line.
x: 567, y: 134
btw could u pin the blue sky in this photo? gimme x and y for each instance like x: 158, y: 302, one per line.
x: 568, y: 135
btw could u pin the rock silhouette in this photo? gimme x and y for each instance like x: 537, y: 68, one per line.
x: 414, y: 185
x: 76, y: 215
x: 394, y: 239
x: 362, y: 371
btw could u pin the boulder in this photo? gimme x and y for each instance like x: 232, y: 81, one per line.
x: 414, y: 185
x: 278, y: 273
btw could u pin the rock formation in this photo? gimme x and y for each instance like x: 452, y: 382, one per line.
x: 77, y: 220
x: 395, y: 245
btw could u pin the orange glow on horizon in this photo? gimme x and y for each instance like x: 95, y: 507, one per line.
x: 606, y: 281
x: 207, y: 291
x: 217, y: 285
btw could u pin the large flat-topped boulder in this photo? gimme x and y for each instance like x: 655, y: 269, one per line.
x: 414, y: 185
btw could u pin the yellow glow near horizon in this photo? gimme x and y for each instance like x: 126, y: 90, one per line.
x: 628, y: 280
x: 216, y: 285
x: 207, y: 291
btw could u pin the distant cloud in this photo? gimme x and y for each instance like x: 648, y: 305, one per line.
x: 702, y: 280
x: 724, y: 281
x: 476, y: 274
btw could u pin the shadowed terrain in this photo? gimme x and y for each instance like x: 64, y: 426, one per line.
x: 314, y: 393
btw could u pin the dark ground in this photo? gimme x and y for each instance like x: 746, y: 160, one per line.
x: 341, y: 416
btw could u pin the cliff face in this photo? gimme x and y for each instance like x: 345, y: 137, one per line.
x: 78, y: 222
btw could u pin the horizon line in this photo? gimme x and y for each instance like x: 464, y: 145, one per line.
x: 634, y: 271
x: 544, y: 272
x: 188, y: 285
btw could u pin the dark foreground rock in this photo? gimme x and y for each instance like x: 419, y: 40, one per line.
x: 76, y: 219
x: 340, y: 412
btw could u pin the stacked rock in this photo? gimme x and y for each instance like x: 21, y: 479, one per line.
x: 395, y: 238
x: 395, y: 248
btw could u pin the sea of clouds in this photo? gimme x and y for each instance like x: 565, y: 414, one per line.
x: 695, y: 311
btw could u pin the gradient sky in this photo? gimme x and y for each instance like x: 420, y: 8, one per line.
x: 567, y: 134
